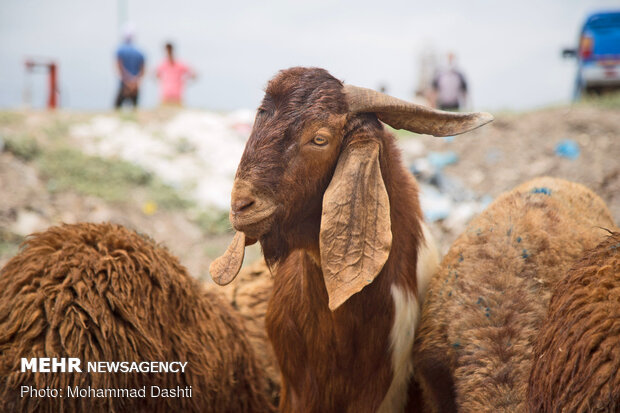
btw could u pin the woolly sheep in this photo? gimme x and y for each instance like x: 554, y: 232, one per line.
x: 99, y: 292
x: 577, y: 354
x: 485, y: 306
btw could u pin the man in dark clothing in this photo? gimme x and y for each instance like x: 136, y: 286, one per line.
x: 449, y: 87
x: 130, y: 63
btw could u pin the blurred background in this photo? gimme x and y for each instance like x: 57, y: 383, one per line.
x: 166, y: 168
x: 509, y: 49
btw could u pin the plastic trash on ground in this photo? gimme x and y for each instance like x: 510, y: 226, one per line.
x: 442, y: 159
x: 567, y: 148
x: 452, y: 186
x: 422, y: 169
x: 435, y: 205
x: 443, y: 197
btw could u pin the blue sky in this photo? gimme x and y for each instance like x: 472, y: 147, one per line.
x: 509, y: 52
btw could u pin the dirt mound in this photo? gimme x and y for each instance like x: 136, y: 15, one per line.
x: 488, y: 161
x: 518, y: 147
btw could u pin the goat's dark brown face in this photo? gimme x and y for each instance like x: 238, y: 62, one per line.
x: 291, y: 154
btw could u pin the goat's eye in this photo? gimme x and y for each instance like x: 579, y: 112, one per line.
x: 319, y: 140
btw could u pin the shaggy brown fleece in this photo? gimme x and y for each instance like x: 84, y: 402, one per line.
x: 577, y: 354
x: 249, y: 294
x: 104, y: 293
x: 485, y: 306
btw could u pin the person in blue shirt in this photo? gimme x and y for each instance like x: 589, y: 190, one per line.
x: 130, y: 63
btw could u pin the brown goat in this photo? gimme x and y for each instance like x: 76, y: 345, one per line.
x: 321, y: 186
x: 485, y: 306
x: 104, y: 293
x: 577, y: 353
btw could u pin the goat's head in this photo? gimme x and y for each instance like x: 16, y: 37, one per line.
x: 310, y: 177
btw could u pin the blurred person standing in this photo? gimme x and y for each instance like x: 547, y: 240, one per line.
x: 449, y: 87
x: 427, y: 69
x: 130, y: 65
x: 172, y: 75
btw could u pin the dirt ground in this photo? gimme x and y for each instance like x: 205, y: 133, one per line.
x: 27, y: 206
x: 495, y: 158
x: 520, y: 146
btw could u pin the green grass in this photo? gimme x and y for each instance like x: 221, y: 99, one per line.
x: 214, y: 221
x: 109, y: 179
x: 57, y: 130
x: 9, y: 243
x: 66, y: 168
x: 24, y: 147
x: 113, y: 180
x: 9, y: 118
x: 606, y: 101
x: 116, y: 180
x: 128, y: 116
x: 46, y: 145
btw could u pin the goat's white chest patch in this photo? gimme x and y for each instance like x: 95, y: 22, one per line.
x: 406, y: 317
x: 428, y: 262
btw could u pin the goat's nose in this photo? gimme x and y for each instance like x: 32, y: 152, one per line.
x: 241, y: 204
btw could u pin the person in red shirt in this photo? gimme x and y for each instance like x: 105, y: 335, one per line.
x: 172, y: 75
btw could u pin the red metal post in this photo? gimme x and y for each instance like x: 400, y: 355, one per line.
x: 52, y: 101
x: 52, y: 73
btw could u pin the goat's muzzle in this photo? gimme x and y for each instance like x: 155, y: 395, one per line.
x: 251, y: 211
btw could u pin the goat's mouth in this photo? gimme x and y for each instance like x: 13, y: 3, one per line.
x: 254, y: 224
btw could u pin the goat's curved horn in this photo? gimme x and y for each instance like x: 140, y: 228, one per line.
x: 400, y: 114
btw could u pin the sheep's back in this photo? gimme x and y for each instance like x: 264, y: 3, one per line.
x: 577, y: 353
x: 486, y: 304
x: 104, y: 293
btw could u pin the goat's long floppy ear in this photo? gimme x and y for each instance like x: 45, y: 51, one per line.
x: 225, y: 268
x: 356, y: 236
x: 410, y: 116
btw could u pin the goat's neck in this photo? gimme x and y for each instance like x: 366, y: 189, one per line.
x: 405, y: 213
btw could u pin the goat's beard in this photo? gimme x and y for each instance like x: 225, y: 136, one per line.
x: 284, y: 237
x: 274, y: 246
